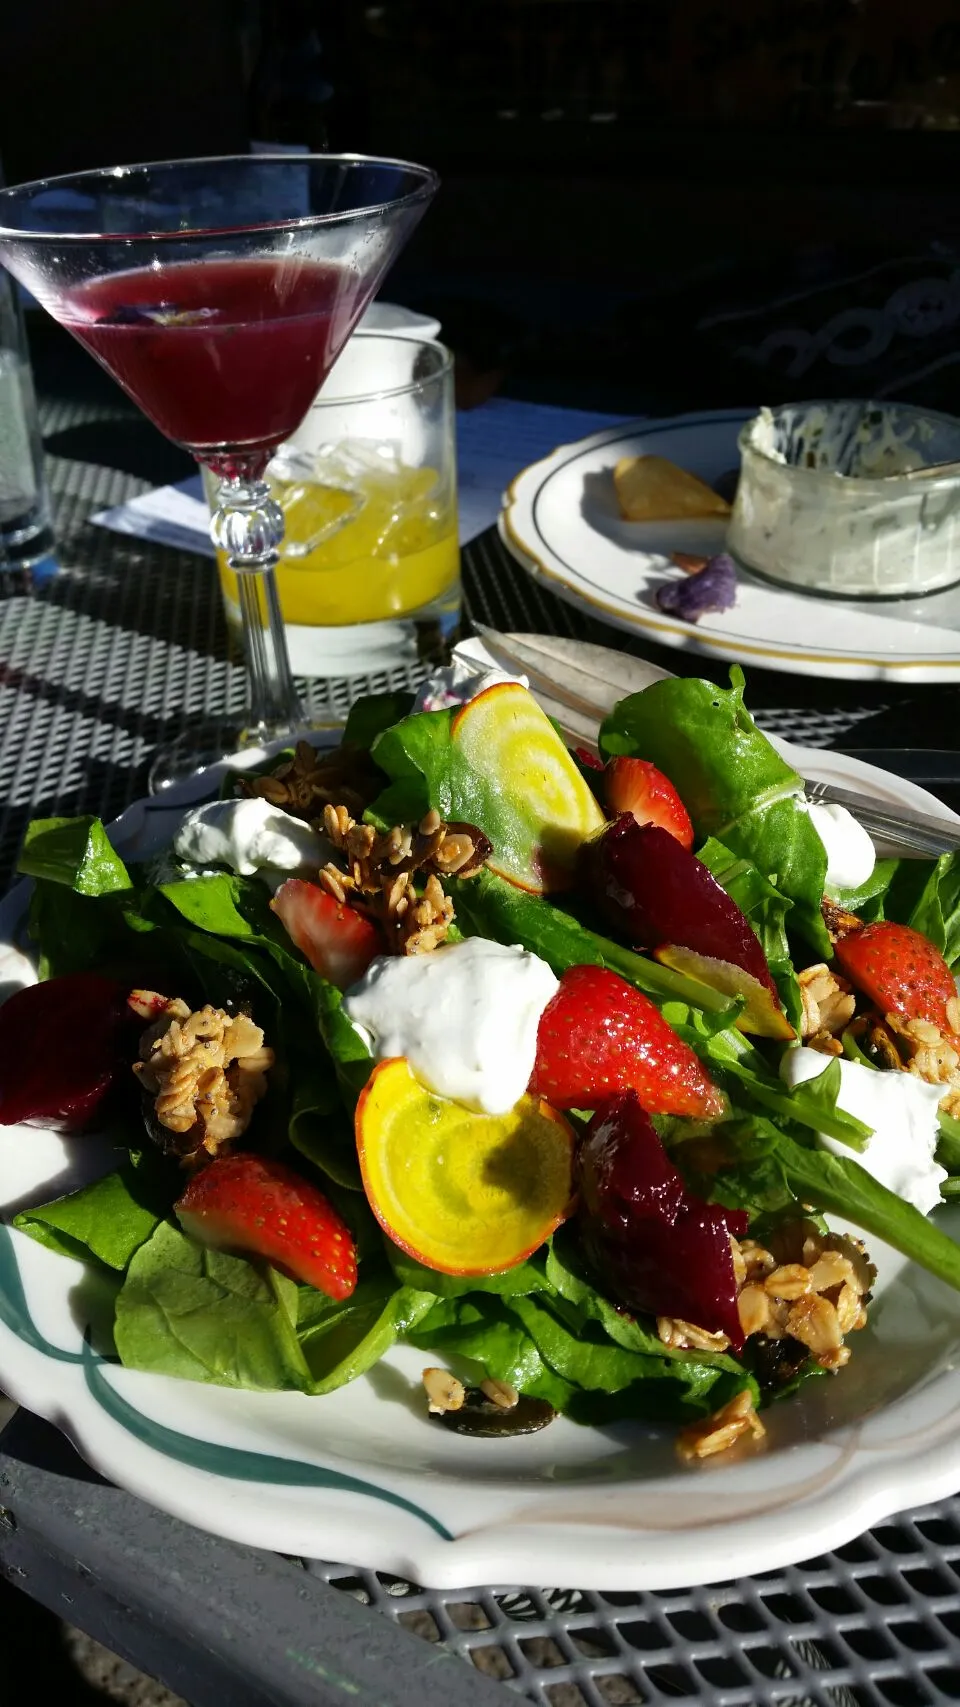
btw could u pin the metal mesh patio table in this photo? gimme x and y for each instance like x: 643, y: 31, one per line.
x: 99, y: 663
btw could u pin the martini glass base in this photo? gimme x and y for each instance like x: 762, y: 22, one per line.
x: 209, y: 741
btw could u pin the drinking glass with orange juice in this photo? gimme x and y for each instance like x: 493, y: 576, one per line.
x: 370, y: 567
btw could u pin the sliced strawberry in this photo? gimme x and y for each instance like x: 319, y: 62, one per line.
x: 588, y: 758
x: 338, y: 941
x: 246, y: 1203
x: 635, y: 785
x: 900, y: 971
x: 599, y: 1035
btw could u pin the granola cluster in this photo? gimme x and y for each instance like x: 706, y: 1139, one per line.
x: 718, y: 1432
x: 828, y: 1007
x: 917, y: 1046
x: 378, y: 871
x: 206, y: 1071
x: 808, y: 1287
x: 312, y: 780
x: 797, y: 1299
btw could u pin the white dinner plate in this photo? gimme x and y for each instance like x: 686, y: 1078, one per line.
x: 362, y: 1476
x: 561, y: 522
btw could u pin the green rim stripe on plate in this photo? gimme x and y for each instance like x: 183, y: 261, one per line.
x: 14, y: 1313
x: 231, y: 1461
x: 217, y: 1460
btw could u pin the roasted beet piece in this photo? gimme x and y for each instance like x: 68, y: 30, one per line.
x: 655, y: 1247
x: 62, y: 1049
x: 653, y: 891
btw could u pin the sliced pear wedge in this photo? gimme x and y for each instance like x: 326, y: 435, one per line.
x: 761, y: 1014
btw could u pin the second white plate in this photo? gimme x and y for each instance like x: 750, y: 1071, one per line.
x: 561, y: 522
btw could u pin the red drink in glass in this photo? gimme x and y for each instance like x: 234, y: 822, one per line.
x: 219, y: 353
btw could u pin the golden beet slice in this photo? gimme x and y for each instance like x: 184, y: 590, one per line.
x: 464, y: 1193
x: 532, y: 801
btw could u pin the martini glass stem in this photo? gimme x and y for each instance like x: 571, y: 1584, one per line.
x: 248, y: 528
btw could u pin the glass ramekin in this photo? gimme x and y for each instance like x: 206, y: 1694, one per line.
x: 829, y: 499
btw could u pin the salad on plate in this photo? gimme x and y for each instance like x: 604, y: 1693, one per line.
x: 600, y: 1078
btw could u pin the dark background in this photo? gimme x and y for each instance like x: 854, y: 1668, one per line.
x: 646, y: 203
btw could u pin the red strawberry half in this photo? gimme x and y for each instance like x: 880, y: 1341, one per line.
x: 635, y: 785
x: 338, y: 941
x: 899, y: 970
x: 599, y: 1035
x: 246, y: 1203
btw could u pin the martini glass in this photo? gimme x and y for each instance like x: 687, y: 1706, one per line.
x: 219, y: 293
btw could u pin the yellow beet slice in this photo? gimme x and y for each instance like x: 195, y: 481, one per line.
x: 539, y: 810
x: 464, y: 1193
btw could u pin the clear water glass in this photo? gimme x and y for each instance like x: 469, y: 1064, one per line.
x: 26, y: 536
x: 369, y: 570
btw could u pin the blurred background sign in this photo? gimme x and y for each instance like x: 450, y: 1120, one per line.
x: 644, y: 202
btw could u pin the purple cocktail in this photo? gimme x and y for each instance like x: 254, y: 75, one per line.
x: 219, y: 293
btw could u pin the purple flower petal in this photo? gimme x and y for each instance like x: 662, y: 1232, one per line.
x: 714, y: 589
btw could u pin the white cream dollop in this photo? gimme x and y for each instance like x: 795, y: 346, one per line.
x: 902, y: 1111
x: 851, y: 855
x: 466, y: 1018
x: 462, y: 680
x: 247, y: 835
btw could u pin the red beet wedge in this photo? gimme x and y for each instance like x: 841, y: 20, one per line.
x: 657, y: 895
x: 655, y: 1247
x: 64, y: 1044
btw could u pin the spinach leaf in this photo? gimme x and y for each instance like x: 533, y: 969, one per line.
x: 342, y: 1341
x: 75, y: 932
x: 477, y: 1336
x: 75, y: 852
x: 659, y: 1387
x: 370, y: 716
x: 203, y: 1315
x: 417, y: 755
x: 868, y: 898
x: 109, y: 1219
x: 351, y: 1058
x: 838, y: 1185
x: 732, y: 781
x: 936, y: 911
x: 529, y: 1276
x: 318, y: 1125
x: 212, y: 904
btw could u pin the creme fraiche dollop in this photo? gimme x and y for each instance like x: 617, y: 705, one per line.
x: 465, y: 1017
x: 248, y: 836
x: 902, y: 1111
